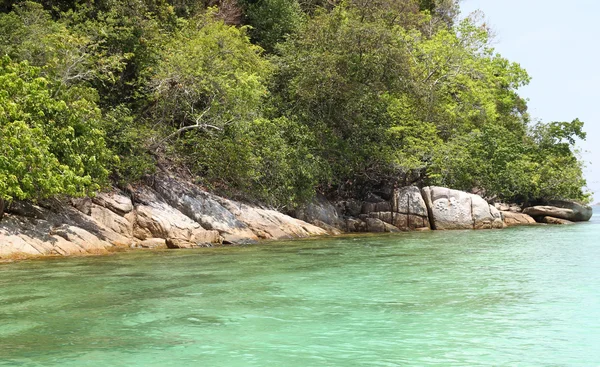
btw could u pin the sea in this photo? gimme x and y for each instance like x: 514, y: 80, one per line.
x: 523, y: 296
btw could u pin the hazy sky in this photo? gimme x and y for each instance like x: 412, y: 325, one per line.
x: 558, y: 43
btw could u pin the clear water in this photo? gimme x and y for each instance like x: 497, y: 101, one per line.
x: 514, y: 297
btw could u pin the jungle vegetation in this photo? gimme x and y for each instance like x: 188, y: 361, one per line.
x: 269, y: 100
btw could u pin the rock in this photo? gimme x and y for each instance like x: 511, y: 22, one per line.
x: 408, y: 200
x: 114, y: 201
x: 350, y: 207
x: 355, y: 225
x: 386, y: 217
x: 581, y: 213
x: 375, y: 225
x: 84, y: 239
x: 203, y: 208
x: 84, y: 205
x: 151, y: 243
x: 576, y: 213
x: 29, y: 210
x: 118, y: 233
x: 453, y: 209
x: 485, y: 216
x: 162, y: 221
x: 409, y: 222
x: 271, y: 224
x: 178, y: 243
x: 517, y: 219
x: 157, y: 219
x: 391, y: 228
x: 371, y: 207
x: 111, y: 220
x: 503, y: 207
x: 378, y: 226
x: 328, y: 228
x: 321, y: 210
x: 552, y: 220
x: 410, y: 210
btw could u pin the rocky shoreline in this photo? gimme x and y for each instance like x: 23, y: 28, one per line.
x: 171, y: 213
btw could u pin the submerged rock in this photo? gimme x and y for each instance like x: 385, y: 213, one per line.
x: 552, y: 220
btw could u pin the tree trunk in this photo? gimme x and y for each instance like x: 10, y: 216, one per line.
x: 1, y: 208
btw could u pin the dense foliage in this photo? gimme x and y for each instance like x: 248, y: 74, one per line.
x: 269, y: 100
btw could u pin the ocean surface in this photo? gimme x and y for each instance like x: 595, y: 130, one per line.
x: 527, y: 296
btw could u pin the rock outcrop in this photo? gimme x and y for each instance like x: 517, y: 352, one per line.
x: 453, y: 209
x: 169, y: 213
x: 570, y: 211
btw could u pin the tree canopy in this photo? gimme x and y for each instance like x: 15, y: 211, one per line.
x: 270, y: 100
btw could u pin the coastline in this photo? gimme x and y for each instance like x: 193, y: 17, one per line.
x: 171, y: 213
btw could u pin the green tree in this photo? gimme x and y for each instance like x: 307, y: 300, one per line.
x: 51, y: 140
x: 272, y: 20
x: 209, y: 76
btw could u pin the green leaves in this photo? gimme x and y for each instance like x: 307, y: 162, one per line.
x: 209, y: 73
x: 344, y: 96
x: 51, y: 143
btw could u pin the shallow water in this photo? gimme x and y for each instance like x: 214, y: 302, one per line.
x: 526, y: 296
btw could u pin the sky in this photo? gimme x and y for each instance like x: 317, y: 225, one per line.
x: 558, y: 43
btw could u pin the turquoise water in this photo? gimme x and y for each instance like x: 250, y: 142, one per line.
x: 526, y: 296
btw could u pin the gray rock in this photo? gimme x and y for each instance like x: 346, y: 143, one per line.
x: 271, y: 224
x: 375, y: 225
x: 378, y: 226
x: 386, y: 217
x: 408, y: 200
x: 407, y: 222
x: 410, y: 210
x: 29, y: 210
x: 321, y: 210
x: 355, y: 225
x: 114, y: 201
x: 373, y: 207
x: 350, y: 207
x: 84, y: 205
x: 160, y: 220
x: 581, y: 213
x: 204, y: 209
x: 453, y: 209
x: 574, y: 213
x: 111, y: 220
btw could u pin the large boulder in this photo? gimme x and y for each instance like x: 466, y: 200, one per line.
x: 409, y: 209
x: 454, y: 209
x: 568, y: 210
x: 516, y: 219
